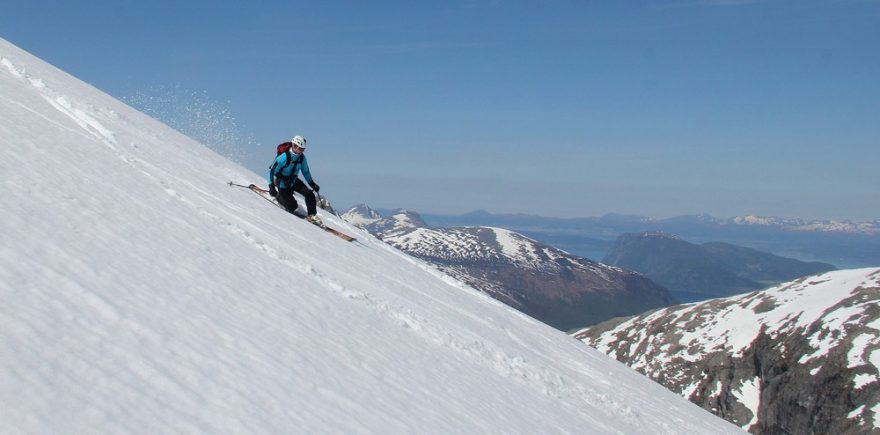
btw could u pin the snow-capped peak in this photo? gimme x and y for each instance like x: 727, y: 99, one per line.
x: 361, y: 215
x: 406, y: 219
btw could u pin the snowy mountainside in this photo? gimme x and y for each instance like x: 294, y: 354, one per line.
x: 800, y: 357
x: 406, y: 230
x: 141, y: 294
x: 560, y: 289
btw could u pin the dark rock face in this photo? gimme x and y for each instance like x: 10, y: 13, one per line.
x: 560, y: 289
x: 798, y: 358
x: 708, y: 270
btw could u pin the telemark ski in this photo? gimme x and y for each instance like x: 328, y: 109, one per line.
x: 263, y: 192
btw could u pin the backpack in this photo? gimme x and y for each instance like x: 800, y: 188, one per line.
x: 283, y: 147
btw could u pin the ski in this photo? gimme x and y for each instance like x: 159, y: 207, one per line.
x: 263, y: 192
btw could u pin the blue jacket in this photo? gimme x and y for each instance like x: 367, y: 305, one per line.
x: 287, y: 173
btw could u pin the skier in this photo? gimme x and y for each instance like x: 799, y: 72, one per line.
x: 283, y: 175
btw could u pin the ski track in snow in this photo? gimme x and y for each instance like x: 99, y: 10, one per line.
x: 513, y: 367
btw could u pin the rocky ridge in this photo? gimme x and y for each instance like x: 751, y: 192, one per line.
x: 800, y: 357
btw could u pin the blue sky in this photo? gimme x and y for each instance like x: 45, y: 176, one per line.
x: 561, y: 108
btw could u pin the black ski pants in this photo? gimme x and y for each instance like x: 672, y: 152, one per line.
x: 287, y: 200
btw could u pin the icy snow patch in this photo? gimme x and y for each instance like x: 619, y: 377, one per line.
x: 862, y: 379
x: 876, y: 411
x: 509, y: 245
x: 855, y: 413
x: 855, y: 356
x: 750, y: 396
x: 874, y: 358
x: 689, y: 390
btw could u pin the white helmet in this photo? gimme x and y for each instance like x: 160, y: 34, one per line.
x: 299, y: 141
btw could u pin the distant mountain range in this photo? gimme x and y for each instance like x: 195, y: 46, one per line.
x: 560, y: 289
x: 621, y: 220
x: 828, y: 226
x: 694, y: 272
x: 843, y: 243
x: 802, y: 357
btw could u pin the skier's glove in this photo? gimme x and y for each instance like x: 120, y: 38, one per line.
x: 272, y: 191
x: 315, y: 186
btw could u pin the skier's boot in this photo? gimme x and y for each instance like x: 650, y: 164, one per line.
x: 315, y: 220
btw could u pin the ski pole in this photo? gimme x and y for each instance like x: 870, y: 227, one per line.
x: 250, y: 186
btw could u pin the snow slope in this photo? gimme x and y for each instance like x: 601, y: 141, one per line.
x: 143, y: 295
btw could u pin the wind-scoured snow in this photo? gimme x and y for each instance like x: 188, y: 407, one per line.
x: 141, y: 294
x: 516, y: 246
